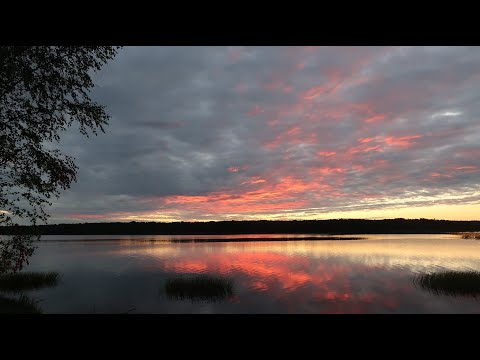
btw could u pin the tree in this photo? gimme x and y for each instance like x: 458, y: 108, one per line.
x: 43, y: 91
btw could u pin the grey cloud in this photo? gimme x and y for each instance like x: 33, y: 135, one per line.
x: 180, y: 120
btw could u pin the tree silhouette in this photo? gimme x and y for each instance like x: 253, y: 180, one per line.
x: 43, y: 91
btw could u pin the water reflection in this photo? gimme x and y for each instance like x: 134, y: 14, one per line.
x: 359, y: 276
x: 301, y: 282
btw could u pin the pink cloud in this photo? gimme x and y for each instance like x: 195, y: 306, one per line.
x: 326, y: 153
x: 404, y: 141
x: 256, y: 110
x: 375, y: 118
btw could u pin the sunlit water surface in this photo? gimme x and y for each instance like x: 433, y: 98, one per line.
x: 129, y: 273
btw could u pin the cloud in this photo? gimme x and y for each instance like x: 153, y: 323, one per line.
x: 202, y: 133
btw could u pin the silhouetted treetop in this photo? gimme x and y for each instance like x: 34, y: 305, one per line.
x: 43, y: 91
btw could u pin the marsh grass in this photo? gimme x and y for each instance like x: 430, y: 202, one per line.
x: 199, y: 288
x: 22, y: 305
x: 28, y: 281
x: 471, y: 235
x: 453, y: 283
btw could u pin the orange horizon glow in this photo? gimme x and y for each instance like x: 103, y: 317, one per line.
x: 468, y: 212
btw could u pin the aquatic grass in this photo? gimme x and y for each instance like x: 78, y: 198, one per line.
x: 199, y: 288
x: 22, y: 305
x: 28, y: 281
x: 471, y: 235
x: 453, y: 283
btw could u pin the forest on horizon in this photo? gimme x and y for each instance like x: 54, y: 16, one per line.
x: 337, y: 226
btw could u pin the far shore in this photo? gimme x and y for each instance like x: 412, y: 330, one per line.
x: 200, y: 240
x: 334, y: 227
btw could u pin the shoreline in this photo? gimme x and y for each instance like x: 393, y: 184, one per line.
x: 193, y: 240
x: 332, y: 227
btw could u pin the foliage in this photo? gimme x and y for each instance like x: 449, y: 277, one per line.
x: 339, y: 226
x: 43, y: 91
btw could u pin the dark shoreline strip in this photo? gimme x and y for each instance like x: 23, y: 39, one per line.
x: 213, y: 240
x: 266, y: 239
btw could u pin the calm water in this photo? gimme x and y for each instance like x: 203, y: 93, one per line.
x: 350, y: 276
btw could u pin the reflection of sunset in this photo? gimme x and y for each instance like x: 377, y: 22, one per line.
x: 326, y: 273
x: 359, y: 276
x: 265, y: 270
x: 304, y: 279
x: 427, y: 250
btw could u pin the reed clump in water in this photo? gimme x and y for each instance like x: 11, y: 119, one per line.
x: 453, y: 283
x: 22, y: 305
x: 471, y: 235
x: 28, y: 281
x: 199, y: 288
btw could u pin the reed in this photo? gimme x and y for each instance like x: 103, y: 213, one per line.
x: 28, y: 281
x: 453, y: 283
x: 199, y: 288
x: 22, y: 305
x: 471, y: 235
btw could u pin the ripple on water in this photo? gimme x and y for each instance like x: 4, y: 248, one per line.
x: 372, y: 275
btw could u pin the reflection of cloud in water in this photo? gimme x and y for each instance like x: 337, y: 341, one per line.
x: 416, y: 252
x: 298, y: 280
x: 329, y: 276
x: 366, y: 276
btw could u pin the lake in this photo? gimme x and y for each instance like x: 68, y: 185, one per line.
x: 129, y: 274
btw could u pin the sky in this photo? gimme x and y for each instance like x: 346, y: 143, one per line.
x: 235, y: 133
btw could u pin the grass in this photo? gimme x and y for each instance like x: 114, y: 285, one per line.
x: 471, y: 235
x: 22, y: 305
x: 199, y: 288
x: 27, y: 281
x: 453, y: 283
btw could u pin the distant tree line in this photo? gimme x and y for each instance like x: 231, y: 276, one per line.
x: 339, y: 226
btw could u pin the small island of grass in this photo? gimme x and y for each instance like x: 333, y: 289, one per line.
x: 453, y: 283
x: 199, y: 288
x: 471, y: 235
x: 27, y: 281
x: 21, y: 305
x: 16, y: 283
